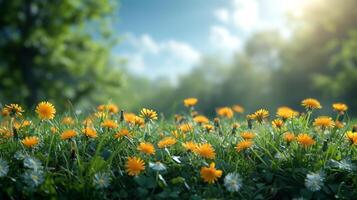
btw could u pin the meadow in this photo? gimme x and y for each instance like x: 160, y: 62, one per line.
x: 112, y: 154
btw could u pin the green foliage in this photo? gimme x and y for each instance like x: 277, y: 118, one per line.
x: 47, y: 51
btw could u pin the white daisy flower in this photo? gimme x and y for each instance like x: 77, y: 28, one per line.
x: 233, y: 182
x: 314, y: 181
x: 101, y: 180
x: 157, y: 166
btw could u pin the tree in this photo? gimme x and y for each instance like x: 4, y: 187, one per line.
x: 47, y: 52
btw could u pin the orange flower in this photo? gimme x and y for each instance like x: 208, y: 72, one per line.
x: 147, y: 148
x: 189, y: 102
x: 324, y: 122
x: 186, y: 128
x: 289, y: 137
x: 30, y: 142
x: 109, y: 124
x: 260, y: 115
x: 201, y: 119
x: 45, y: 110
x: 247, y: 135
x: 311, y: 104
x: 121, y: 133
x: 277, y: 123
x: 305, y: 140
x: 243, y: 145
x: 90, y: 132
x: 225, y: 112
x: 190, y: 146
x: 166, y: 142
x: 238, y: 108
x: 286, y: 113
x: 134, y: 166
x: 68, y: 134
x: 341, y: 108
x: 210, y: 174
x: 206, y: 151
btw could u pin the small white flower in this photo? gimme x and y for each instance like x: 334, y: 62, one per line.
x: 157, y: 166
x: 4, y: 168
x: 233, y: 182
x: 101, y: 180
x: 33, y: 178
x: 33, y: 163
x: 314, y: 181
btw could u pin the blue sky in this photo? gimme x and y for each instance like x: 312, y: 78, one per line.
x: 167, y: 38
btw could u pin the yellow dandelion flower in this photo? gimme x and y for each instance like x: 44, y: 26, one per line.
x: 201, y: 119
x: 243, y: 145
x: 138, y: 121
x: 166, y: 142
x: 148, y: 114
x: 129, y: 118
x: 54, y: 129
x: 285, y: 113
x: 146, y: 147
x: 210, y: 174
x: 289, y: 137
x: 247, y: 135
x: 122, y: 132
x: 67, y: 121
x: 311, y: 104
x: 134, y: 166
x: 101, y: 108
x: 208, y: 127
x: 23, y: 124
x: 190, y: 146
x: 225, y: 112
x: 45, y: 110
x: 341, y: 108
x: 260, y: 115
x: 189, y: 102
x: 339, y: 124
x: 30, y: 142
x: 305, y: 140
x: 13, y: 110
x: 112, y: 108
x: 206, y: 151
x: 186, y: 127
x: 110, y: 124
x: 90, y: 132
x: 324, y: 122
x: 278, y: 123
x: 87, y: 121
x: 352, y: 137
x: 101, y: 115
x: 238, y: 108
x: 68, y: 134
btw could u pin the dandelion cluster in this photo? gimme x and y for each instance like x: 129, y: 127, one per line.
x: 108, y: 153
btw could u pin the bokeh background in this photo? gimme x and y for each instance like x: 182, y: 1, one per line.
x: 257, y: 53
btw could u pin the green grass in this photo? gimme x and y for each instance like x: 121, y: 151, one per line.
x: 95, y: 168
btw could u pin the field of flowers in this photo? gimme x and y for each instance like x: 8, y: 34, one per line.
x: 112, y: 154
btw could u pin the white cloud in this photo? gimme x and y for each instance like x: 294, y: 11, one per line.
x: 245, y: 14
x: 154, y: 59
x: 222, y: 15
x: 223, y: 39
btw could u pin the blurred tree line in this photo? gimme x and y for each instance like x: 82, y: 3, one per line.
x: 319, y: 60
x: 57, y: 50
